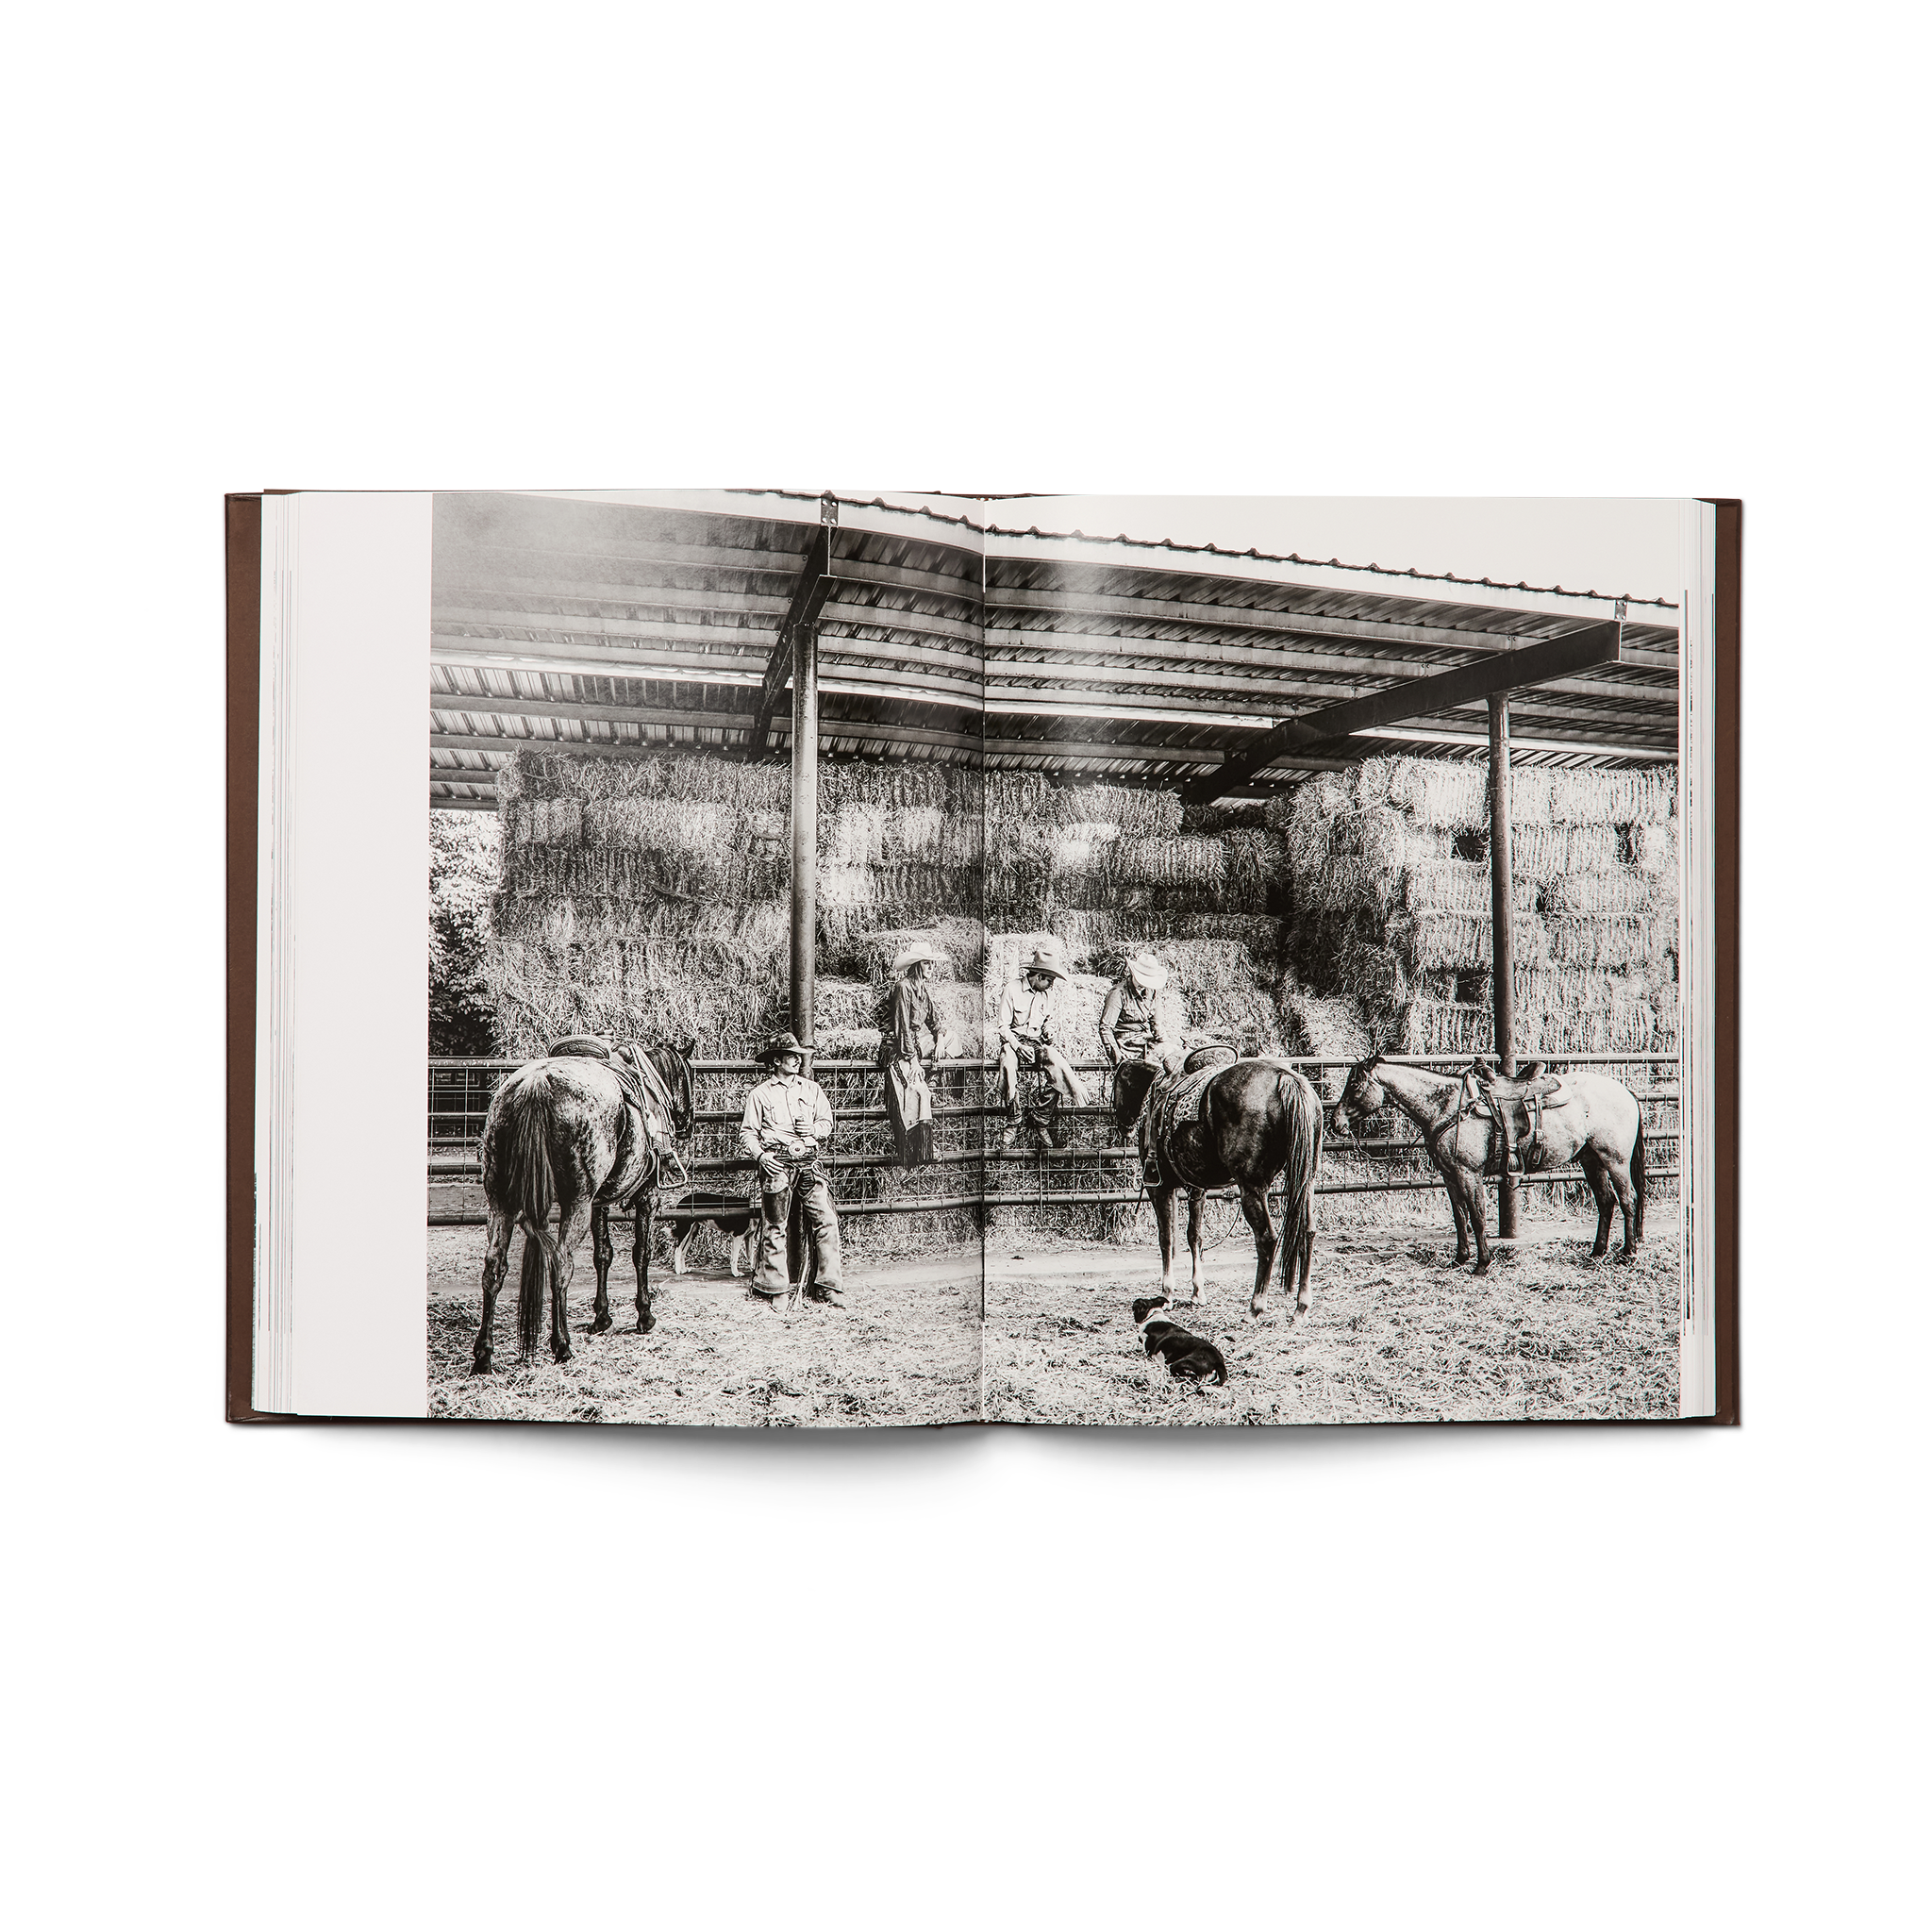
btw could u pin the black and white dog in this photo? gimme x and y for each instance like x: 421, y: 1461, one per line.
x: 1188, y: 1357
x: 730, y: 1214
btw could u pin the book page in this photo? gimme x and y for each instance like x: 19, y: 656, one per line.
x: 1240, y: 827
x: 780, y: 1225
x: 342, y: 850
x: 1181, y: 1026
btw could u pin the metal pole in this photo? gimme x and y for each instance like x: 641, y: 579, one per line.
x: 1503, y: 937
x: 804, y: 829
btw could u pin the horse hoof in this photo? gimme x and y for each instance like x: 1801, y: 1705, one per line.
x: 562, y: 1355
x: 480, y: 1366
x: 645, y: 1323
x: 600, y: 1325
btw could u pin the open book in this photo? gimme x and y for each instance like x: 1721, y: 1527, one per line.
x: 927, y: 959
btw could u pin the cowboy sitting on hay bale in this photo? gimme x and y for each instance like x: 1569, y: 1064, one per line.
x: 1130, y: 1023
x: 1024, y: 1021
x: 913, y: 1040
x: 787, y: 1119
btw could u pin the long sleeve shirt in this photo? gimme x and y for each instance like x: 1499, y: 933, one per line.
x: 1024, y: 1014
x: 1130, y: 1017
x: 786, y: 1105
x: 915, y: 1020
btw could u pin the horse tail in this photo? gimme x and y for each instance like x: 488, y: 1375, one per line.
x: 1303, y: 1113
x: 533, y: 1192
x: 1636, y: 1178
x: 530, y: 1295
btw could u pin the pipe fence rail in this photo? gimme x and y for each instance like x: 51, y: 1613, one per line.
x: 973, y: 1168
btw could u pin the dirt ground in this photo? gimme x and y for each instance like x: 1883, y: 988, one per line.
x: 1396, y: 1333
x: 904, y: 1349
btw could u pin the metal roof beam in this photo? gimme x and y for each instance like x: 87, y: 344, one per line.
x: 1382, y: 663
x: 1422, y: 697
x: 801, y: 613
x: 546, y: 575
x: 564, y: 612
x: 1288, y: 624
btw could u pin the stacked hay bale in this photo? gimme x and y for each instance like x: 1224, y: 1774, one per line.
x: 641, y: 896
x: 1391, y: 886
x: 1106, y: 870
x: 650, y: 896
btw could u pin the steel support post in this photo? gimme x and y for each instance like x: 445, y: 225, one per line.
x: 804, y: 829
x: 1502, y: 930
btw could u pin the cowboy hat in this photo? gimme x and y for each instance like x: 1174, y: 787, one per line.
x: 1147, y: 970
x: 920, y: 952
x: 1045, y: 958
x: 778, y: 1046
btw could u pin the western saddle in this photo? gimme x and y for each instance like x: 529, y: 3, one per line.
x: 644, y: 1087
x: 1516, y: 1105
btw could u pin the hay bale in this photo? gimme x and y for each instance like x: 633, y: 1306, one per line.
x: 1445, y: 941
x: 583, y: 776
x: 1372, y: 974
x: 1257, y: 863
x: 1604, y: 943
x: 654, y: 823
x: 1463, y: 886
x: 1548, y: 852
x: 1102, y: 941
x: 896, y: 784
x: 1166, y: 861
x: 1654, y: 849
x: 849, y: 886
x: 847, y: 1002
x: 846, y: 1043
x: 1446, y: 1027
x: 1223, y: 815
x: 1326, y: 1028
x: 1441, y: 794
x: 961, y: 1007
x: 1138, y: 813
x: 852, y: 837
x: 1645, y: 796
x: 1078, y: 1001
x: 1622, y: 893
x: 960, y: 942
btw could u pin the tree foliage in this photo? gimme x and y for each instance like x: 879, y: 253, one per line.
x: 465, y: 868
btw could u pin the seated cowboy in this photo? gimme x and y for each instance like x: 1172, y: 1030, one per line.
x: 1025, y: 1021
x: 786, y: 1120
x: 1130, y: 1022
x: 912, y: 1040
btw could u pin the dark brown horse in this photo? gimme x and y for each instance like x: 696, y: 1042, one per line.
x: 1591, y: 1120
x: 565, y: 1133
x: 1249, y: 1123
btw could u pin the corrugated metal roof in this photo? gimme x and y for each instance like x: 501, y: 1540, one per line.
x: 988, y: 528
x: 627, y: 625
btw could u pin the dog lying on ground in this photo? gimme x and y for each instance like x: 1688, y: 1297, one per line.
x: 1188, y: 1357
x: 730, y: 1214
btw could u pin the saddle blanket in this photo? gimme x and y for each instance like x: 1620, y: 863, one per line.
x: 1175, y: 1098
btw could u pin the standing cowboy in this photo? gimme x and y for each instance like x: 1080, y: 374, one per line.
x: 913, y: 1040
x: 1130, y: 1022
x: 1025, y: 1021
x: 787, y: 1119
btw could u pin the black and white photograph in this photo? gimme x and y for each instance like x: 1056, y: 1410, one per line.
x: 903, y: 959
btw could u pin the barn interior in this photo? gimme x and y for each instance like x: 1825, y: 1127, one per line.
x: 739, y: 748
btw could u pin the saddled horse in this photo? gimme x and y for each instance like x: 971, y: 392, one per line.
x: 573, y: 1134
x: 1248, y: 1122
x: 1591, y: 1118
